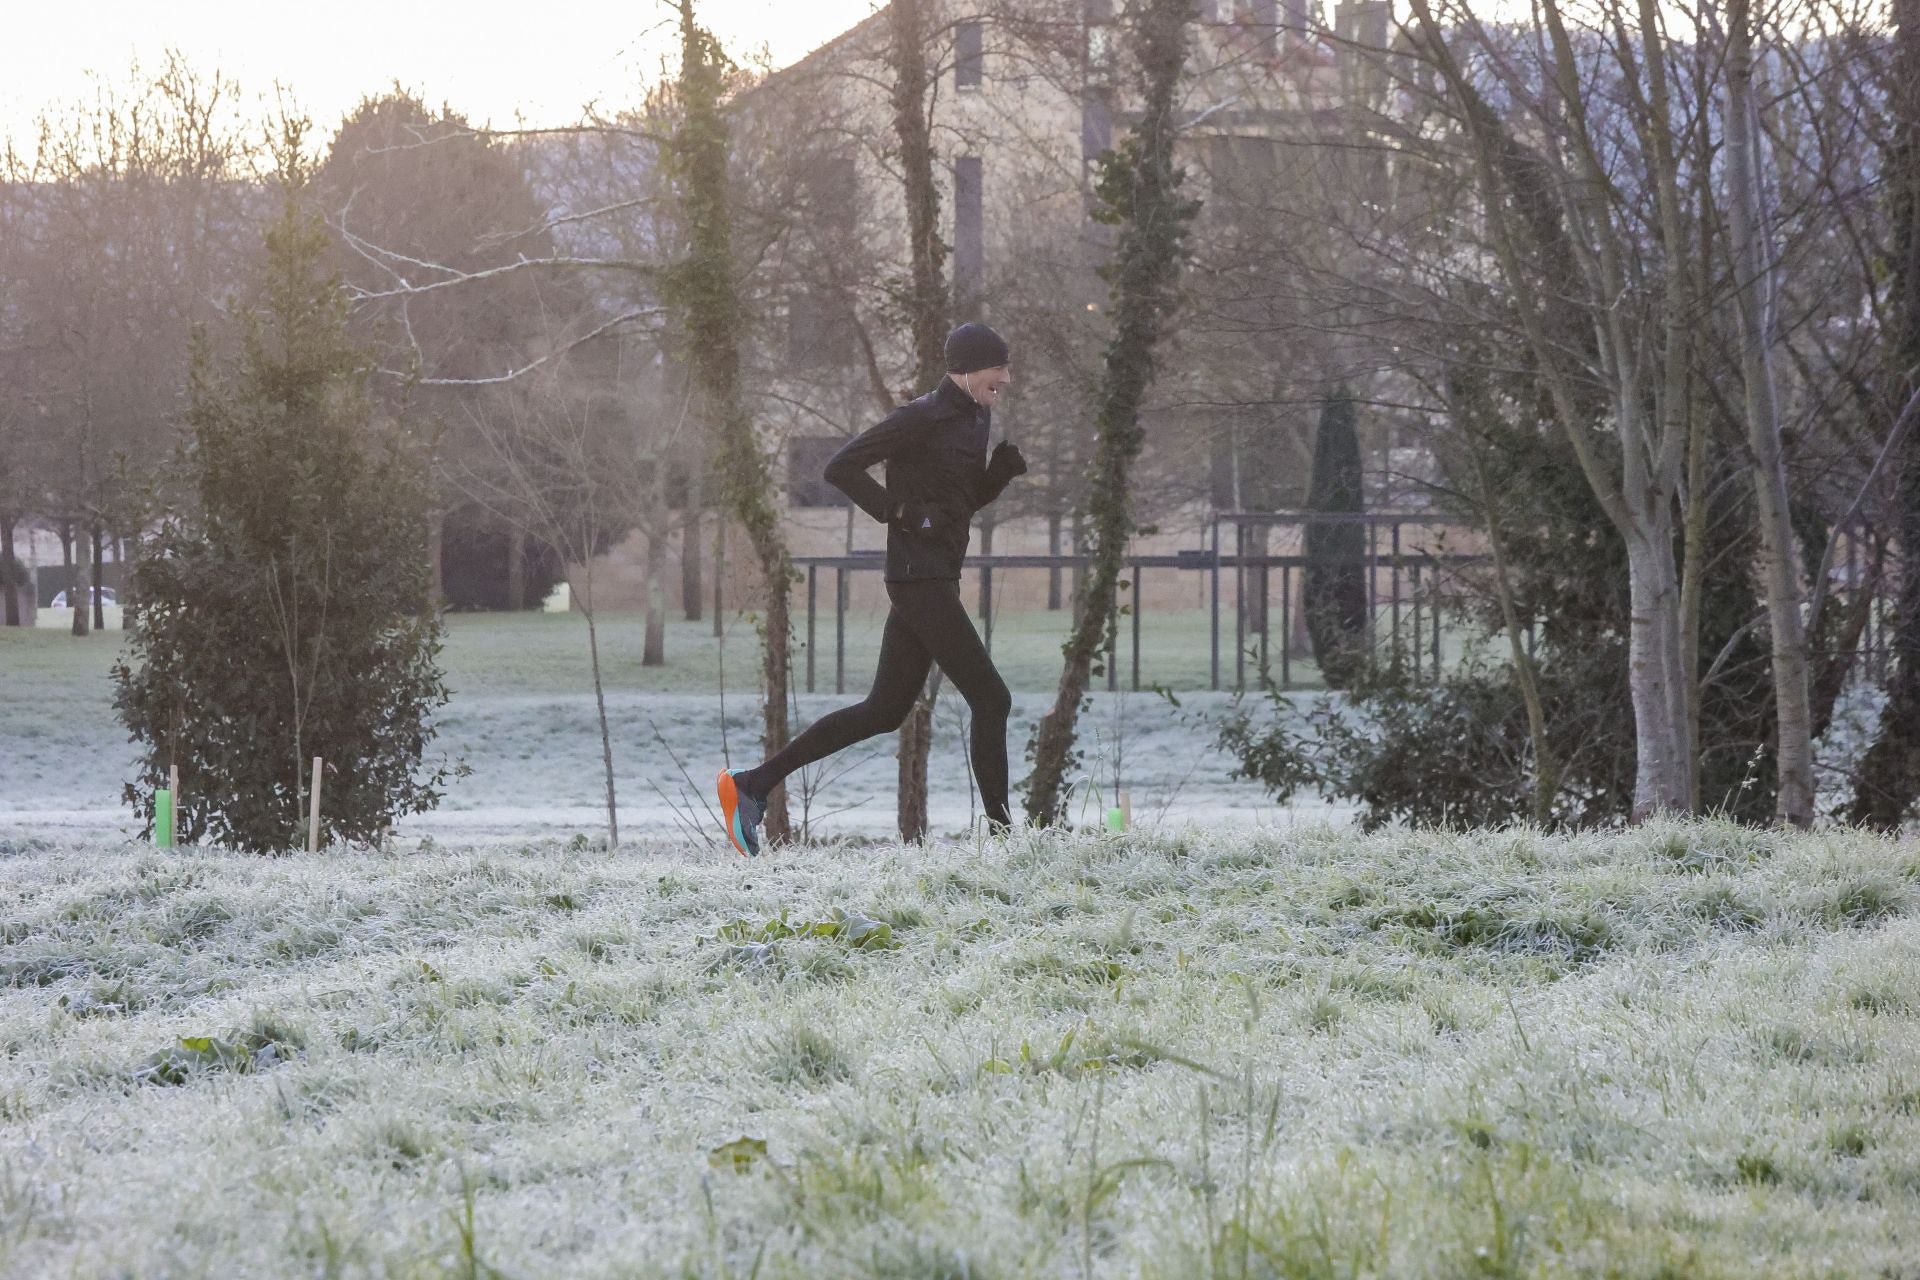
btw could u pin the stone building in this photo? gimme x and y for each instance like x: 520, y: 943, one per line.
x: 1029, y: 94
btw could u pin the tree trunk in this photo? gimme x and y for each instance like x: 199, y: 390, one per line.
x: 703, y: 286
x: 99, y: 574
x: 516, y: 569
x: 9, y: 570
x: 1779, y: 558
x: 719, y: 575
x: 76, y: 576
x: 1333, y: 582
x: 655, y: 652
x: 1077, y: 537
x: 1053, y: 571
x: 927, y: 308
x: 691, y: 601
x: 1656, y: 675
x: 1468, y: 398
x: 1527, y: 205
x: 1888, y: 781
x: 436, y: 532
x: 1141, y: 191
x: 129, y: 610
x: 916, y: 744
x: 1259, y: 585
x: 1839, y: 645
x: 928, y: 312
x: 606, y: 734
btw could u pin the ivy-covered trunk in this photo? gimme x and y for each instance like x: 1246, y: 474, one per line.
x: 927, y: 315
x: 703, y: 291
x: 1889, y: 779
x: 1139, y: 192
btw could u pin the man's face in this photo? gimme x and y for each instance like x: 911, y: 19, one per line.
x: 985, y: 385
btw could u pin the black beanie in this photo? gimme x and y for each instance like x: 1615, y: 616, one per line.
x: 973, y: 347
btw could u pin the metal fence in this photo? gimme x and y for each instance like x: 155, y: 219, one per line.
x: 1405, y: 586
x: 1408, y: 582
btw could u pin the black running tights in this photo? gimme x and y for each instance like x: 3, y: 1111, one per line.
x: 927, y: 624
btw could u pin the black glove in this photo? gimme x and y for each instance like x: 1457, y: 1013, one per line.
x: 1006, y: 463
x: 917, y: 517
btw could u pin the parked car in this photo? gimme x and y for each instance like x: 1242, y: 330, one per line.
x: 106, y: 598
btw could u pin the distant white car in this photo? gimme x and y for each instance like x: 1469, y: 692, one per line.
x: 106, y: 597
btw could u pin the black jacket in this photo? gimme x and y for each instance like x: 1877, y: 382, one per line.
x: 935, y: 449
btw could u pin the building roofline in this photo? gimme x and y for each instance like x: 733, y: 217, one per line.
x: 825, y: 50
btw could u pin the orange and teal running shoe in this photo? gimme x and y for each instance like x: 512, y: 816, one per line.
x: 741, y: 813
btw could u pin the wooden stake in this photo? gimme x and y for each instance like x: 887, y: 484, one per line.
x: 313, y: 816
x: 173, y: 810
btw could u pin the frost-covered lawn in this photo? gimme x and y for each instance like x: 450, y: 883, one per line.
x: 522, y: 718
x: 1683, y: 1051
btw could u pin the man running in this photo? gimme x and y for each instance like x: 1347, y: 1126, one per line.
x: 938, y: 476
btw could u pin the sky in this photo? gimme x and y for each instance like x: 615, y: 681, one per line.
x: 486, y: 58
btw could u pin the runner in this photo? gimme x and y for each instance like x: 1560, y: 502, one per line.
x: 938, y: 476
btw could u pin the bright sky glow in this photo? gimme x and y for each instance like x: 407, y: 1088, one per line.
x: 488, y: 58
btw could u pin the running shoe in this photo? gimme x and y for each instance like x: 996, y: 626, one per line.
x: 741, y: 813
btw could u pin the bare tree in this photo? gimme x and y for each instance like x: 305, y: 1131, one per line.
x: 559, y: 459
x: 126, y: 221
x: 1636, y: 470
x: 1754, y: 300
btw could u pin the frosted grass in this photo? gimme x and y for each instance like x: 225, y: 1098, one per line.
x: 1686, y: 1050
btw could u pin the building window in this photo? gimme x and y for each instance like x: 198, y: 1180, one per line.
x: 820, y: 328
x: 1096, y: 127
x: 1266, y: 23
x: 807, y: 458
x: 969, y: 56
x: 1366, y: 23
x: 1244, y: 173
x: 969, y: 240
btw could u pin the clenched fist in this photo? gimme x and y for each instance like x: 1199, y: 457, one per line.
x: 1006, y: 463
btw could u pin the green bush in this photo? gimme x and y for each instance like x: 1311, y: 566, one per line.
x: 284, y: 606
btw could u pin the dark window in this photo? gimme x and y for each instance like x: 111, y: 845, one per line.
x: 1222, y: 489
x: 969, y: 243
x: 1266, y: 23
x: 1243, y: 171
x: 969, y: 56
x: 820, y: 329
x: 1096, y: 126
x: 1372, y: 20
x: 1299, y: 15
x: 807, y: 458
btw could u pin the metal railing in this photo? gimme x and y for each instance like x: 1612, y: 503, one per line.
x: 1418, y: 608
